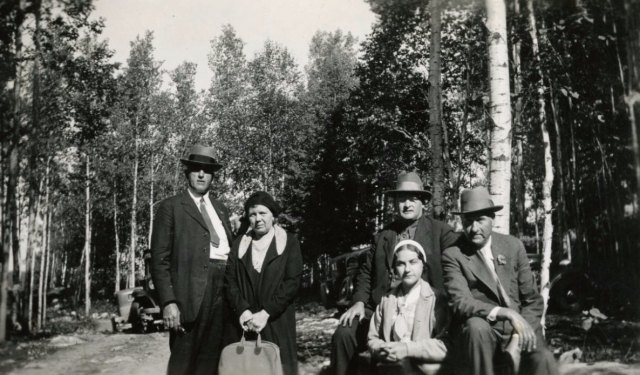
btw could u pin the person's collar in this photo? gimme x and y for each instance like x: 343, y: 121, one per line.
x: 404, y: 223
x: 486, y: 250
x: 266, y: 237
x: 413, y: 295
x: 197, y: 199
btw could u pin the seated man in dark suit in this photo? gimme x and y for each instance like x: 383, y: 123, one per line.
x: 493, y: 296
x: 376, y: 275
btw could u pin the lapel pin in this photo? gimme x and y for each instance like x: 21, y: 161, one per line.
x: 502, y: 260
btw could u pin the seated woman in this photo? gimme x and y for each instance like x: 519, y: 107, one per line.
x: 262, y: 280
x: 409, y: 328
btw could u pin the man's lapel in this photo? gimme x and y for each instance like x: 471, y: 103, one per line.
x: 191, y: 209
x: 421, y: 237
x: 392, y: 240
x: 482, y: 272
x: 501, y: 255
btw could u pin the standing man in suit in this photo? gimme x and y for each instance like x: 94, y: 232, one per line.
x: 493, y: 295
x: 189, y: 245
x: 376, y: 276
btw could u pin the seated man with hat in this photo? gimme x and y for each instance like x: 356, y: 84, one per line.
x: 493, y: 296
x: 376, y: 275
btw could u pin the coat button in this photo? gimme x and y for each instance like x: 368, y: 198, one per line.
x: 206, y: 266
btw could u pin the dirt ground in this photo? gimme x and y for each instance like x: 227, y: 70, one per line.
x: 612, y: 349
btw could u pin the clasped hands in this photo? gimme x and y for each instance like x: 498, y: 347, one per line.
x: 253, y: 322
x: 391, y: 352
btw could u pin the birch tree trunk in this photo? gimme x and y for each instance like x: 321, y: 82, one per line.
x: 47, y: 253
x: 34, y: 213
x: 44, y: 247
x: 547, y: 184
x: 500, y: 112
x: 10, y: 240
x: 435, y: 111
x: 117, y: 237
x: 134, y: 203
x: 87, y: 242
x: 150, y: 206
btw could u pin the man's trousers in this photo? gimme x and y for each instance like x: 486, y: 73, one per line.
x: 197, y: 350
x: 347, y: 342
x: 478, y: 343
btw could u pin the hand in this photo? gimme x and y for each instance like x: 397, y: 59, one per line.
x: 259, y: 321
x: 245, y: 319
x: 171, y: 316
x: 523, y: 330
x: 356, y: 310
x: 395, y: 351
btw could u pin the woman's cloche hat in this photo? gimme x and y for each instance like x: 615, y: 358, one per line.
x: 476, y: 200
x: 200, y: 155
x: 410, y: 182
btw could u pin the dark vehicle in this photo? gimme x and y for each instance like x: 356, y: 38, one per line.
x: 571, y: 290
x: 138, y: 307
x: 338, y: 277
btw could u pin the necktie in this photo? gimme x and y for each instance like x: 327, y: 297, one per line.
x: 215, y: 240
x: 503, y: 293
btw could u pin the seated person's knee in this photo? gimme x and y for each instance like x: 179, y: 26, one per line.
x: 476, y: 327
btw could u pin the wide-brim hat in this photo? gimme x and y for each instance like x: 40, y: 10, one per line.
x: 476, y: 200
x: 410, y: 182
x: 202, y: 156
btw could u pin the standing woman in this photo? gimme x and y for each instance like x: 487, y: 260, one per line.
x: 408, y: 332
x: 262, y: 280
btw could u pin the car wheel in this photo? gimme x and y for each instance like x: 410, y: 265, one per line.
x: 568, y: 294
x: 346, y: 289
x: 134, y: 317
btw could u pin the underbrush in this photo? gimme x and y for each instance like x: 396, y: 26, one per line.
x: 598, y: 339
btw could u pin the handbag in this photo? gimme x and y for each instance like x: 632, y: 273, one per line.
x: 250, y: 358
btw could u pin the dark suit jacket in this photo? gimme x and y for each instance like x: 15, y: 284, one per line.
x: 373, y: 281
x: 180, y: 252
x: 472, y: 289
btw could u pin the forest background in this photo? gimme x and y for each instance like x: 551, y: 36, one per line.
x: 90, y: 146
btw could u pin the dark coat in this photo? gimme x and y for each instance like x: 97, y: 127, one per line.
x: 373, y: 281
x: 180, y: 252
x: 275, y: 293
x: 472, y: 290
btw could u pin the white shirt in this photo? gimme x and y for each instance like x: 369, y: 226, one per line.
x: 222, y: 251
x: 488, y: 260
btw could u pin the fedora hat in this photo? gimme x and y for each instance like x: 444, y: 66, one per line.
x: 202, y: 156
x: 476, y: 200
x: 410, y: 182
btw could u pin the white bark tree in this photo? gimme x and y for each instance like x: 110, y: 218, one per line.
x: 500, y: 112
x: 87, y: 242
x: 547, y: 184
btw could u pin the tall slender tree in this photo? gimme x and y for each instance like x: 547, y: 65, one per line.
x: 500, y: 112
x: 435, y: 111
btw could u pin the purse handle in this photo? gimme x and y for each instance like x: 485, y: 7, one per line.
x: 258, y: 341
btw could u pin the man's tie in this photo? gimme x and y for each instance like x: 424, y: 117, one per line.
x: 215, y: 240
x: 503, y: 293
